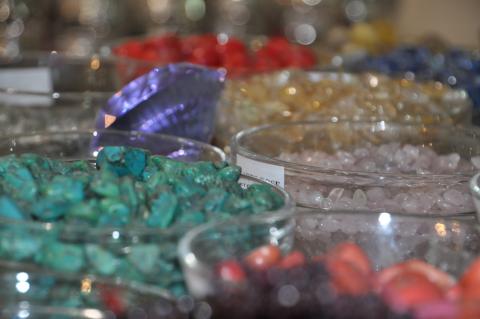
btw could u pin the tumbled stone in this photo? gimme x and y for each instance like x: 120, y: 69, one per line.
x: 16, y: 244
x: 10, y: 210
x: 144, y: 257
x: 162, y: 211
x: 61, y: 257
x: 104, y: 262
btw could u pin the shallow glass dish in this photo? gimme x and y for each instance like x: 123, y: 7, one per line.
x: 266, y: 152
x: 450, y: 244
x: 30, y: 293
x: 42, y: 91
x: 293, y: 95
x: 142, y: 255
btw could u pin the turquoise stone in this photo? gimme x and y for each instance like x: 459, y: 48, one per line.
x: 17, y: 244
x: 105, y: 184
x: 230, y: 173
x: 127, y: 271
x: 157, y: 179
x: 61, y: 257
x: 10, y: 210
x: 113, y: 213
x: 144, y: 257
x: 184, y: 189
x: 19, y: 182
x: 63, y: 188
x: 87, y: 211
x: 135, y: 161
x: 195, y: 218
x: 104, y: 262
x: 47, y: 210
x: 128, y: 193
x: 162, y: 211
x: 215, y: 199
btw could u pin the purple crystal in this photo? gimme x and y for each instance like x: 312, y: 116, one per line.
x: 178, y: 99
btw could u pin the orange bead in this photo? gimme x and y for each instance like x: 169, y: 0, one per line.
x: 264, y: 257
x: 346, y: 278
x: 435, y: 275
x: 294, y: 259
x: 409, y: 290
x: 231, y: 271
x: 353, y: 254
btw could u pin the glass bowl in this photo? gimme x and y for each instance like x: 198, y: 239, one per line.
x: 266, y: 152
x: 450, y: 244
x: 294, y: 95
x: 42, y: 91
x: 30, y: 293
x: 146, y: 256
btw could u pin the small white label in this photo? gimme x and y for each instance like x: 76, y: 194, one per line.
x: 269, y: 173
x: 35, y: 80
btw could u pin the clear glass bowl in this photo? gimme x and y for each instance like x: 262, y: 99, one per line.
x: 30, y: 293
x: 257, y: 151
x: 42, y: 91
x: 142, y: 255
x: 292, y: 95
x: 450, y: 244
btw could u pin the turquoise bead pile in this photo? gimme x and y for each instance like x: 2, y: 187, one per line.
x: 128, y: 191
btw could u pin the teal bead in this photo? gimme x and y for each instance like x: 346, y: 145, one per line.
x: 87, y: 211
x: 103, y: 261
x: 127, y: 271
x: 112, y: 153
x: 195, y: 218
x: 230, y: 173
x: 155, y: 181
x: 17, y: 244
x: 113, y: 213
x: 184, y: 189
x: 47, y: 210
x: 19, y: 182
x: 63, y: 188
x: 10, y: 210
x: 135, y: 161
x: 61, y: 257
x: 144, y: 257
x: 162, y: 211
x: 215, y: 199
x: 105, y: 184
x: 129, y: 195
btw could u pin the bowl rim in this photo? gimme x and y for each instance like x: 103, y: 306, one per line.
x: 238, y: 149
x: 70, y: 59
x: 129, y: 231
x: 188, y: 257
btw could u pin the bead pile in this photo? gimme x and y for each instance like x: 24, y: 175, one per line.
x: 400, y: 196
x: 128, y: 190
x: 296, y: 95
x: 340, y: 284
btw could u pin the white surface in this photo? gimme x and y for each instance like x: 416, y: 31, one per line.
x: 269, y: 173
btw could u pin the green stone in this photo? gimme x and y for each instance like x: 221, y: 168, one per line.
x: 128, y: 193
x: 135, y: 161
x: 10, y: 210
x: 144, y: 257
x: 156, y: 180
x: 17, y: 244
x: 103, y: 261
x: 105, y: 184
x: 63, y: 188
x: 215, y: 199
x: 61, y: 257
x: 113, y: 213
x: 230, y: 173
x: 19, y: 182
x: 195, y: 218
x: 88, y: 211
x: 47, y: 210
x: 162, y: 211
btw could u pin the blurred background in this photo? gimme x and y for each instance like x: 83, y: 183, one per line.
x: 84, y: 26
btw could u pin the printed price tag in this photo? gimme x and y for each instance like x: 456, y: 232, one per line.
x: 269, y: 173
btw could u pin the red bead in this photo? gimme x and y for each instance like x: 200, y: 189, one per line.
x: 409, y: 290
x: 231, y: 271
x: 353, y: 254
x: 346, y: 278
x: 263, y: 257
x: 294, y: 259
